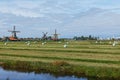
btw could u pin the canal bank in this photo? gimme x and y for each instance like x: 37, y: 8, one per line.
x: 61, y: 68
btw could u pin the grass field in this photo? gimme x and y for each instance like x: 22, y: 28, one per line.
x: 101, y: 56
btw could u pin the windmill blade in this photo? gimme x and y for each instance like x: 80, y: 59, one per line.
x: 14, y: 28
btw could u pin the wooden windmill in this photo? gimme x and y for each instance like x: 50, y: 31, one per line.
x: 44, y: 37
x: 55, y: 35
x: 14, y: 36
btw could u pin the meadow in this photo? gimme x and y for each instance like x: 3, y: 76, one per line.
x: 86, y: 58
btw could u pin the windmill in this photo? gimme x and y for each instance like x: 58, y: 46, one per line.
x: 14, y: 36
x: 44, y: 37
x: 55, y: 35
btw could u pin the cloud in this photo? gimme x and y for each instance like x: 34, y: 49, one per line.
x: 20, y: 8
x: 68, y: 16
x: 95, y: 21
x: 20, y: 12
x: 40, y: 8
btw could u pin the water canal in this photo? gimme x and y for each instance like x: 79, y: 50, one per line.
x: 20, y: 75
x: 15, y: 75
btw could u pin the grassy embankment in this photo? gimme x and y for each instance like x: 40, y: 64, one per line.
x: 85, y: 58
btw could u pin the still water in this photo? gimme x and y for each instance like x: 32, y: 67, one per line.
x: 15, y: 75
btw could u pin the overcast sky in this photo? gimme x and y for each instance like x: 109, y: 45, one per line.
x: 69, y: 17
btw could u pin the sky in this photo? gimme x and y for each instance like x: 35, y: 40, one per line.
x: 70, y: 17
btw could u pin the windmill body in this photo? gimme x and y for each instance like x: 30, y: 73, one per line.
x: 55, y: 35
x: 44, y: 37
x: 14, y: 36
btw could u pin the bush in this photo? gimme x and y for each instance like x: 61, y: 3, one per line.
x: 60, y: 63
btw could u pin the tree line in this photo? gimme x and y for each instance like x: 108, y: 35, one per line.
x: 85, y: 38
x: 49, y: 38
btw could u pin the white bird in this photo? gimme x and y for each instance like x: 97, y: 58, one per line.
x: 96, y: 42
x: 59, y: 42
x: 43, y: 43
x: 28, y: 43
x: 67, y: 42
x: 113, y: 44
x: 5, y: 43
x: 65, y: 46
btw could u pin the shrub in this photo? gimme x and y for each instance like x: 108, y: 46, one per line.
x: 60, y: 63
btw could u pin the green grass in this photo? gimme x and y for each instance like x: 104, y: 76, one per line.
x: 60, y: 58
x: 84, y: 57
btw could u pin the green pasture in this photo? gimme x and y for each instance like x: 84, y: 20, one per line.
x: 90, y: 54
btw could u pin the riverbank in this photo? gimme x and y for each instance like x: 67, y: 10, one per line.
x: 61, y: 68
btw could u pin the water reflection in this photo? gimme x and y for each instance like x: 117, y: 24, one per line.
x: 14, y: 75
